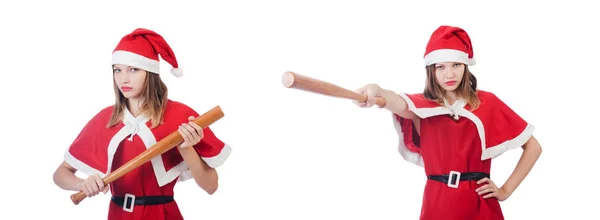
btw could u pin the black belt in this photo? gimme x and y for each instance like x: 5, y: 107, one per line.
x: 142, y: 200
x: 463, y: 177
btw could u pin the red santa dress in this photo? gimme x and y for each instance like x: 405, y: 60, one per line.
x: 454, y: 139
x: 100, y: 150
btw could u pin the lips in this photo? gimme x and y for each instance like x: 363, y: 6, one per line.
x: 450, y: 83
x: 126, y: 88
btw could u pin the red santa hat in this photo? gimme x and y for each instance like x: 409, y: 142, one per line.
x: 449, y: 44
x: 141, y: 49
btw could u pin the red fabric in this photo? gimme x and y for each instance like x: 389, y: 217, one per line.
x: 420, y: 101
x: 503, y: 123
x: 149, y: 44
x: 84, y: 147
x: 411, y: 137
x: 140, y: 182
x: 447, y: 145
x: 448, y: 37
x: 90, y: 150
x: 209, y: 146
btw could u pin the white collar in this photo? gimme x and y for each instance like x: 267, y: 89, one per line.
x: 133, y: 123
x: 455, y: 108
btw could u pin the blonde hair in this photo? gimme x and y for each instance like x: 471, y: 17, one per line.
x: 466, y: 90
x: 154, y: 101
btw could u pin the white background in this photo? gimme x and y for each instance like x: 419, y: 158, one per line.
x: 299, y: 155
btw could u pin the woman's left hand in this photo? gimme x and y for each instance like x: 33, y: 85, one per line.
x: 191, y: 133
x: 491, y: 190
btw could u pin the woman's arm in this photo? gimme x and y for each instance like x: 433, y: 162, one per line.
x: 396, y: 104
x: 205, y: 176
x: 531, y: 152
x: 64, y: 177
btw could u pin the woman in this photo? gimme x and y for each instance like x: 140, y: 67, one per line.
x: 453, y: 130
x: 141, y: 116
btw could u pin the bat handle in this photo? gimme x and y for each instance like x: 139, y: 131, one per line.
x: 78, y: 197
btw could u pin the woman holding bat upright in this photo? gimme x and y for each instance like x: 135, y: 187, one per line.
x: 453, y: 130
x: 141, y: 116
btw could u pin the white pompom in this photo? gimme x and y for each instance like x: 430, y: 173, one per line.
x: 177, y: 72
x: 472, y: 62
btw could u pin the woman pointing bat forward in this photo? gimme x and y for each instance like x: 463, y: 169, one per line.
x: 141, y: 116
x: 453, y: 130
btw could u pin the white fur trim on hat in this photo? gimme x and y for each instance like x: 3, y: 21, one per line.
x: 448, y: 55
x: 133, y: 59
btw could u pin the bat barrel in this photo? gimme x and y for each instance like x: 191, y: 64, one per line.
x: 300, y: 82
x: 288, y: 79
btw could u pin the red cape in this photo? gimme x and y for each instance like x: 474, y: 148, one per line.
x: 93, y: 150
x: 499, y: 127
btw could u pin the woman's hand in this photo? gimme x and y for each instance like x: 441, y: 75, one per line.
x: 491, y: 190
x: 191, y: 133
x: 93, y: 185
x: 372, y: 92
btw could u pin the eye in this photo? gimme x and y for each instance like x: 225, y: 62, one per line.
x: 439, y: 67
x: 116, y: 70
x: 133, y: 69
x: 457, y: 64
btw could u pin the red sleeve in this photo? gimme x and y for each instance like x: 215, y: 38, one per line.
x: 211, y: 149
x: 504, y: 128
x: 411, y: 136
x: 408, y: 140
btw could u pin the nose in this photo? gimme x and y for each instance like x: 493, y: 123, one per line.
x: 124, y: 77
x: 450, y: 73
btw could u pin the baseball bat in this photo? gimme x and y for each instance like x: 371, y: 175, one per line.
x: 297, y: 81
x: 159, y: 148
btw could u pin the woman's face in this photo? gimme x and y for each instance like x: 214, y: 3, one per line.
x: 449, y: 74
x: 130, y: 80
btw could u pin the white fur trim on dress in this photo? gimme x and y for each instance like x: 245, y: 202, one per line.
x: 81, y: 166
x: 495, y: 151
x: 213, y: 162
x: 424, y: 112
x: 219, y: 159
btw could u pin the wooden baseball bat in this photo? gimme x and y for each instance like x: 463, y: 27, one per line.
x: 159, y: 148
x: 297, y: 81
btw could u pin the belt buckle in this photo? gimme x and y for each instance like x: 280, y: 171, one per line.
x: 452, y: 173
x: 128, y: 209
